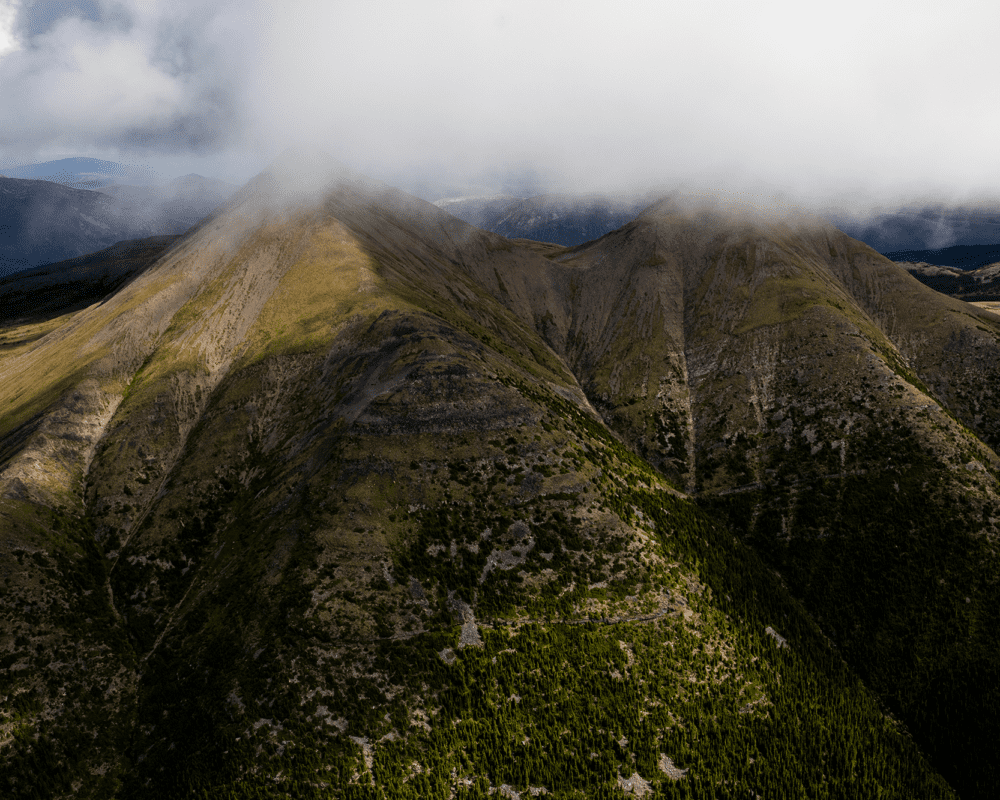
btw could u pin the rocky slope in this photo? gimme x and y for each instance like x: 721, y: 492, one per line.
x: 343, y: 496
x: 842, y: 418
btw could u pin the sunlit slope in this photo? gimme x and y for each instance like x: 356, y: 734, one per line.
x: 830, y: 405
x: 952, y: 345
x: 133, y: 365
x: 324, y: 514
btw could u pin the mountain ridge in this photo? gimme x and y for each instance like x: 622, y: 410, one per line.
x: 562, y: 219
x: 975, y: 285
x: 82, y: 173
x: 335, y: 436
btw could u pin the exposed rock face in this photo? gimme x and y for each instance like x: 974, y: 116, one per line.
x: 337, y: 455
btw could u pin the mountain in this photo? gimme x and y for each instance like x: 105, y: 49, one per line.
x: 967, y: 257
x: 962, y: 236
x: 930, y: 227
x: 83, y: 173
x: 345, y: 497
x: 43, y: 222
x: 558, y: 218
x: 483, y: 211
x: 977, y: 285
x: 824, y: 384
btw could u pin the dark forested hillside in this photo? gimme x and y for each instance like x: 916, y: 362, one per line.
x: 56, y: 289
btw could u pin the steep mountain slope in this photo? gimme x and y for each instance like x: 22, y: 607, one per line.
x: 323, y: 503
x: 826, y: 388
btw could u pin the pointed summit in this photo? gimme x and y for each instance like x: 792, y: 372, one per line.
x: 307, y: 169
x: 299, y: 176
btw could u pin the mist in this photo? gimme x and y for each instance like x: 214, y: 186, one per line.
x: 853, y: 107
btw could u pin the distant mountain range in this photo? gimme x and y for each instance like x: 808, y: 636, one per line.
x: 938, y: 228
x: 84, y: 173
x: 558, y: 218
x: 963, y: 256
x: 978, y: 285
x: 960, y: 236
x: 966, y: 237
x: 42, y: 222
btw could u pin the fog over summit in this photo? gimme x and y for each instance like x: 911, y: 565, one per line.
x: 834, y: 108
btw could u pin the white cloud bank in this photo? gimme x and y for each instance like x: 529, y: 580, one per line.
x: 884, y: 100
x: 8, y: 18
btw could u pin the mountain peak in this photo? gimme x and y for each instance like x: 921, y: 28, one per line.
x: 298, y: 178
x: 737, y: 208
x: 84, y: 172
x: 307, y: 169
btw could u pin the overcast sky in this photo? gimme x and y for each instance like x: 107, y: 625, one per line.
x: 854, y: 99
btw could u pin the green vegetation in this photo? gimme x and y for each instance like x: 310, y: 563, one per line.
x: 890, y: 562
x: 360, y: 528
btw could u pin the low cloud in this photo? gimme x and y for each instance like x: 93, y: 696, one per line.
x: 135, y: 78
x: 833, y: 105
x: 8, y: 22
